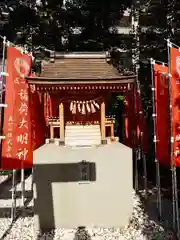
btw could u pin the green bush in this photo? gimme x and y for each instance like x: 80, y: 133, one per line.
x: 5, y: 172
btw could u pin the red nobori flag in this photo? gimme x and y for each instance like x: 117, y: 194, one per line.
x: 134, y: 121
x: 16, y: 148
x: 129, y: 120
x: 140, y: 122
x: 162, y: 114
x: 175, y: 97
x: 38, y: 124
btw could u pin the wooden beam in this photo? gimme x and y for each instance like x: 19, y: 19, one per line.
x: 103, y: 119
x: 51, y: 132
x: 80, y: 81
x: 112, y: 130
x: 61, y: 117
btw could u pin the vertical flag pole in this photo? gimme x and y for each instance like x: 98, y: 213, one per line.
x: 158, y: 181
x: 13, y: 207
x: 22, y: 168
x: 145, y: 174
x: 136, y: 56
x: 2, y: 84
x: 22, y: 184
x: 176, y: 203
x: 32, y: 183
x: 176, y: 193
x: 177, y: 200
x: 3, y: 66
x: 141, y: 155
x: 136, y: 177
x: 174, y: 188
x: 31, y: 33
x: 2, y: 92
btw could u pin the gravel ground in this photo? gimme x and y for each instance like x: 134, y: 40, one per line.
x: 3, y: 178
x: 140, y: 228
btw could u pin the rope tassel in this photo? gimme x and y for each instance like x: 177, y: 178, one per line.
x: 83, y: 108
x: 74, y: 108
x: 93, y: 110
x: 96, y: 104
x: 79, y: 106
x: 88, y: 107
x: 71, y: 106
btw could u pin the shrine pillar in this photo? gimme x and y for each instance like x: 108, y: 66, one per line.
x: 103, y: 119
x: 61, y: 118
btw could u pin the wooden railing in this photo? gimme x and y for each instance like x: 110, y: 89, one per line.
x: 109, y: 122
x: 55, y: 122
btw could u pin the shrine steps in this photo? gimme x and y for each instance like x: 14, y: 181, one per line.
x: 82, y: 135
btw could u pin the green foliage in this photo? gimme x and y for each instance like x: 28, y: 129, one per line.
x: 45, y: 24
x: 49, y: 24
x: 120, y: 97
x: 5, y: 172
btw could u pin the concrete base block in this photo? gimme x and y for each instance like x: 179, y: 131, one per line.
x: 82, y: 186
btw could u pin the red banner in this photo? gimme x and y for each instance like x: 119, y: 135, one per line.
x: 38, y: 124
x: 133, y: 121
x: 16, y: 148
x: 128, y: 119
x: 162, y: 114
x: 175, y: 96
x: 141, y: 125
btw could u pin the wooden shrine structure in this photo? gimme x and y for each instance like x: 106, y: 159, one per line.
x: 77, y: 86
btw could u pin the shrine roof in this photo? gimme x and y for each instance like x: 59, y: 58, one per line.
x: 79, y: 66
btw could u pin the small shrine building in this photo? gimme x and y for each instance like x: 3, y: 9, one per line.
x: 77, y: 87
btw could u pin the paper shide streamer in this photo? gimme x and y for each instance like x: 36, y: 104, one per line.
x: 84, y: 107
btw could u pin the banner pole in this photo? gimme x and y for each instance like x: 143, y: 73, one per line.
x: 32, y: 181
x: 13, y: 208
x: 174, y: 188
x: 135, y: 59
x: 136, y: 177
x: 145, y: 174
x: 22, y: 184
x: 3, y: 66
x: 140, y: 152
x: 176, y: 203
x: 158, y: 180
x: 1, y: 88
